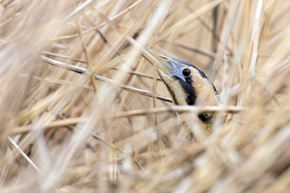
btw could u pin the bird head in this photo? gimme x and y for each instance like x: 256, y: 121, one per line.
x: 187, y: 84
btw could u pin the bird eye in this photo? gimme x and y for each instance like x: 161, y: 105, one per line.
x: 186, y: 72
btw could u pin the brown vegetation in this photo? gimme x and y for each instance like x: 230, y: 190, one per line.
x: 82, y: 111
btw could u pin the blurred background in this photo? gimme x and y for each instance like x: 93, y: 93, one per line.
x: 77, y: 99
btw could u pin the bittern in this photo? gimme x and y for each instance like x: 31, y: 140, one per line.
x: 187, y: 85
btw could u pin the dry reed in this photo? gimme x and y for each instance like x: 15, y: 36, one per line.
x: 82, y: 111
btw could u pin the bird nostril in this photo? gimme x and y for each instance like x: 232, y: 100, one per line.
x: 186, y: 72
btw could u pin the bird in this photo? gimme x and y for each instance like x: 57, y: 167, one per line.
x: 187, y: 85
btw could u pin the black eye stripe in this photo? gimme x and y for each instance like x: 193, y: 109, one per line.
x: 186, y: 72
x: 190, y: 91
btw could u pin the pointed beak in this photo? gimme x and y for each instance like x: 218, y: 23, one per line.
x: 164, y: 64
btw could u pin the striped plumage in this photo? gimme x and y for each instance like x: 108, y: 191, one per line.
x: 188, y: 85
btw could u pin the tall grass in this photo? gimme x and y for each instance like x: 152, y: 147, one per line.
x: 82, y: 111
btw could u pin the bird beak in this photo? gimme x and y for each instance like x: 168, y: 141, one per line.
x: 165, y: 65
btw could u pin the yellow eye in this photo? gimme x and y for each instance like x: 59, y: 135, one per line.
x: 186, y: 72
